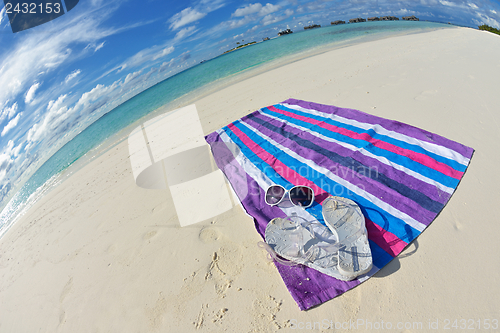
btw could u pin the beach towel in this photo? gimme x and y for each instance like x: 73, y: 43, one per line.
x: 401, y: 177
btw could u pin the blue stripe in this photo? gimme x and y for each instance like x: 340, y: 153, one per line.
x: 379, y: 256
x: 413, y: 147
x: 401, y: 160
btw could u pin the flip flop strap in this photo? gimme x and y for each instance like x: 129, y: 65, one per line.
x: 343, y: 219
x: 272, y: 255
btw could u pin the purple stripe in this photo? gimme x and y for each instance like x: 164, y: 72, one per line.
x: 384, y: 193
x: 309, y: 287
x: 391, y: 125
x: 400, y: 176
x: 212, y: 137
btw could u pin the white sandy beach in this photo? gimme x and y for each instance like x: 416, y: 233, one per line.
x: 100, y: 254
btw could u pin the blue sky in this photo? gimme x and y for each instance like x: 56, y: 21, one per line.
x: 57, y: 78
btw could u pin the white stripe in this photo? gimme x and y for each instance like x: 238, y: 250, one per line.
x: 363, y: 151
x: 430, y: 147
x: 368, y: 196
x: 263, y: 181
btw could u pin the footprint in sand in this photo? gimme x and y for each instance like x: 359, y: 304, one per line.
x: 264, y: 310
x: 66, y: 289
x: 149, y: 235
x: 425, y: 95
x: 219, y: 315
x: 157, y: 313
x: 209, y: 235
x: 62, y: 317
x: 111, y: 249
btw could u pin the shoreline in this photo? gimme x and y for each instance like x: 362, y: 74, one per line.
x: 100, y: 253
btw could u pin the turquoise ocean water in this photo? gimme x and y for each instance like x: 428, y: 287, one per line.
x: 216, y: 71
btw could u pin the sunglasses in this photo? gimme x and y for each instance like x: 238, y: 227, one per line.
x: 302, y: 196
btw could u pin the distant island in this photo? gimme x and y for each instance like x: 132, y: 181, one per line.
x: 410, y: 18
x: 312, y: 26
x: 488, y: 28
x: 372, y: 19
x: 285, y: 32
x: 239, y: 47
x: 357, y: 20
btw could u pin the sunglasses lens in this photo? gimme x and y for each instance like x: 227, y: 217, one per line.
x: 301, y: 196
x: 274, y: 194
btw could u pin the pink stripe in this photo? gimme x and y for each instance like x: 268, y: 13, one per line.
x: 415, y: 156
x: 393, y: 244
x: 278, y: 166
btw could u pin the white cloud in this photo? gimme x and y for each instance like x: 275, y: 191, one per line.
x: 12, y: 110
x: 146, y: 56
x: 192, y: 14
x: 31, y: 133
x: 62, y: 117
x: 185, y: 17
x: 94, y: 94
x: 8, y: 148
x: 57, y: 113
x: 146, y: 76
x: 163, y: 52
x: 429, y: 2
x: 185, y: 32
x: 57, y: 105
x: 164, y: 66
x: 9, y: 111
x: 72, y: 75
x: 30, y: 94
x: 452, y: 4
x: 11, y: 124
x: 268, y: 9
x: 211, y: 5
x: 473, y: 6
x: 32, y: 55
x: 270, y: 19
x: 16, y: 150
x: 2, y: 15
x: 96, y: 47
x: 248, y: 10
x: 11, y: 151
x: 484, y: 19
x: 100, y: 46
x: 233, y: 24
x: 131, y: 77
x: 5, y: 164
x: 256, y: 8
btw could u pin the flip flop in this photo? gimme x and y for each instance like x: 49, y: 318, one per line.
x: 302, y: 242
x: 346, y: 221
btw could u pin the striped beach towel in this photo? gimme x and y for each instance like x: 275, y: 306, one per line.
x: 400, y: 176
